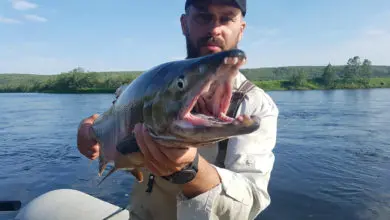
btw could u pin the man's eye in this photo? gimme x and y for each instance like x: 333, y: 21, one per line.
x: 203, y: 18
x: 226, y: 19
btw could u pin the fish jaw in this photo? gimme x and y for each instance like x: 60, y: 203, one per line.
x: 176, y: 86
x: 209, y: 130
x: 217, y: 71
x: 172, y: 107
x: 201, y: 128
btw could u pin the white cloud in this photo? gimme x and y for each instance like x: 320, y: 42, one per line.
x: 23, y: 5
x: 9, y: 20
x: 35, y: 18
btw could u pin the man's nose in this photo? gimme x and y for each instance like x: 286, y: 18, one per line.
x: 215, y: 28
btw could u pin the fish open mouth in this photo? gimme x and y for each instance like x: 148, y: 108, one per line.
x: 204, y: 114
x: 204, y: 110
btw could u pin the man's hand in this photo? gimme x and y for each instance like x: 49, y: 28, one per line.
x: 159, y: 159
x: 164, y: 161
x: 86, y: 145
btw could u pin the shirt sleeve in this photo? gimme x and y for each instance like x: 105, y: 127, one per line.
x: 243, y: 192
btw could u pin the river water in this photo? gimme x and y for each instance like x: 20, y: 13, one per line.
x: 332, y: 153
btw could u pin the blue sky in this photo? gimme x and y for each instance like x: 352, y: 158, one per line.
x: 49, y: 37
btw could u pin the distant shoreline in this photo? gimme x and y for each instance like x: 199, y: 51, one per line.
x: 285, y: 85
x: 266, y: 85
x: 354, y: 75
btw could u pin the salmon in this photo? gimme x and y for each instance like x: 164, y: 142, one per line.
x: 163, y: 99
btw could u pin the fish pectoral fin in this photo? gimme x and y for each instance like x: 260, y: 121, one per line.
x: 113, y: 169
x: 137, y: 174
x: 128, y: 145
x: 102, y: 162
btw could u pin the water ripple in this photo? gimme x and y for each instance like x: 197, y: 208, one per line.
x: 332, y: 154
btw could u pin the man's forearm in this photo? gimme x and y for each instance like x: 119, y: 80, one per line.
x: 206, y: 179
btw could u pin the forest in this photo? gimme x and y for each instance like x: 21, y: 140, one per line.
x: 355, y: 74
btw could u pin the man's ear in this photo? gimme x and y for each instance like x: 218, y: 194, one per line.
x: 242, y: 28
x: 183, y: 22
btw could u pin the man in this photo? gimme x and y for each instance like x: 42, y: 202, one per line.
x: 237, y: 191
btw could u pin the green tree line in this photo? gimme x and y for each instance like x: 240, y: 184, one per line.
x: 76, y: 80
x: 355, y: 74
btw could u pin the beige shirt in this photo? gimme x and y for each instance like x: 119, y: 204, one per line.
x: 242, y: 194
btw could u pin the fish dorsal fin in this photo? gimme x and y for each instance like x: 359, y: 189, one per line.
x: 119, y: 90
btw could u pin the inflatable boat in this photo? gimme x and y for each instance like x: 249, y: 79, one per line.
x: 67, y: 204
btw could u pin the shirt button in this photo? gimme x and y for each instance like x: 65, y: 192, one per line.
x: 249, y: 162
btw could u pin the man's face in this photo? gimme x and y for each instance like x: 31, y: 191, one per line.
x: 211, y: 29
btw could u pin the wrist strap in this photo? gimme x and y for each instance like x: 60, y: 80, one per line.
x: 193, y: 166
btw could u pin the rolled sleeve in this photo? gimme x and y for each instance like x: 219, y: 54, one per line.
x: 243, y: 192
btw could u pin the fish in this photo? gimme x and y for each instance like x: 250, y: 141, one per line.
x: 163, y: 99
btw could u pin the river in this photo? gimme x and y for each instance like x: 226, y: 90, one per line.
x: 332, y: 152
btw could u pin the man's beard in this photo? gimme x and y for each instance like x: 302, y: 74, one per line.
x: 193, y: 51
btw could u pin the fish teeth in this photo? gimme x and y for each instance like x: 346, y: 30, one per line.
x: 225, y: 118
x: 231, y: 60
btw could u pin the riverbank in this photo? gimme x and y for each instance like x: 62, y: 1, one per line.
x: 269, y: 79
x: 283, y: 85
x: 267, y: 85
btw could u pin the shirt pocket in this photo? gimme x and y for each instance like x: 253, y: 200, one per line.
x: 239, y: 190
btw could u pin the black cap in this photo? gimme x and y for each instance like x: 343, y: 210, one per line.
x: 241, y: 4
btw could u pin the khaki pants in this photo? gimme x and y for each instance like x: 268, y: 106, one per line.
x: 161, y: 202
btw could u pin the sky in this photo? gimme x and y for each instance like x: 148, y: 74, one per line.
x: 50, y: 37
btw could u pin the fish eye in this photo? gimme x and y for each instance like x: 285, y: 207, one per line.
x: 180, y: 83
